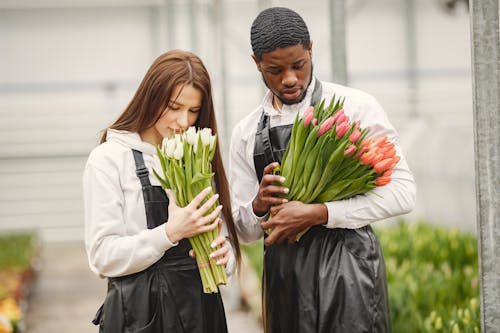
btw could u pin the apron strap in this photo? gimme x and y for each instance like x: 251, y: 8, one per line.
x: 140, y: 169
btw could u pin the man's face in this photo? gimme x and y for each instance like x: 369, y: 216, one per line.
x: 287, y: 72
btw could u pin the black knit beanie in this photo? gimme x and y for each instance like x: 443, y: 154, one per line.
x: 277, y: 27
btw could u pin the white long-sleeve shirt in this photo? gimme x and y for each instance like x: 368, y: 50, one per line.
x: 117, y: 239
x: 395, y: 198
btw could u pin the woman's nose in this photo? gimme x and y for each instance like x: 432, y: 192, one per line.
x: 182, y: 119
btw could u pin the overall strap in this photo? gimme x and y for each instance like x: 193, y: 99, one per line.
x: 264, y: 139
x: 317, y: 92
x: 140, y: 169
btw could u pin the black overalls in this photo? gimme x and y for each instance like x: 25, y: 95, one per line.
x: 332, y: 280
x: 167, y: 296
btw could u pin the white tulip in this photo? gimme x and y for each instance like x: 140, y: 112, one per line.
x: 212, y: 142
x: 191, y: 135
x: 205, y: 134
x: 178, y: 139
x: 164, y: 143
x: 169, y: 147
x: 179, y: 151
x: 195, y: 146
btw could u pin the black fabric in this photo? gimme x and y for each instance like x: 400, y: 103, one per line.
x: 166, y: 297
x: 273, y: 141
x: 332, y: 280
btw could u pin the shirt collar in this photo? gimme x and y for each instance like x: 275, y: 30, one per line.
x: 267, y: 102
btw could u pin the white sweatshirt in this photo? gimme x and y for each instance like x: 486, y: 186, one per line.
x: 117, y: 240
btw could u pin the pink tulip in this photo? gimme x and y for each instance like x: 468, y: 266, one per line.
x: 337, y: 115
x: 367, y: 158
x: 342, y: 129
x: 350, y: 150
x: 383, y: 165
x: 315, y: 121
x: 381, y: 181
x: 309, y: 110
x: 342, y: 119
x: 361, y: 152
x: 325, y: 126
x: 355, y: 136
x: 308, y: 118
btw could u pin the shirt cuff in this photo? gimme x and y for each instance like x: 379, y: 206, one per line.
x: 335, y: 214
x: 340, y: 217
x: 160, y: 239
x: 258, y: 218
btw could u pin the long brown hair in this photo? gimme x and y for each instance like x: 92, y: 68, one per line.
x: 151, y: 99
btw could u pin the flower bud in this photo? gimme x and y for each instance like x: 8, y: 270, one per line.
x: 170, y: 148
x: 342, y: 129
x: 350, y: 150
x: 205, y: 135
x: 191, y: 135
x: 308, y: 118
x: 381, y: 181
x: 355, y: 135
x: 212, y: 142
x: 338, y: 114
x: 325, y: 126
x: 179, y: 151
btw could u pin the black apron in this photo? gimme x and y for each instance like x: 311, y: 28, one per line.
x: 332, y: 280
x: 167, y: 296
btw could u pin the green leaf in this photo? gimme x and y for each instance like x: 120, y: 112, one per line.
x: 198, y: 177
x: 163, y: 182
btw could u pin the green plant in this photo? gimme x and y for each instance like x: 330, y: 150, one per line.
x: 17, y: 250
x: 254, y: 252
x: 432, y: 278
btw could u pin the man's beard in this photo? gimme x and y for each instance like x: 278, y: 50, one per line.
x: 285, y: 101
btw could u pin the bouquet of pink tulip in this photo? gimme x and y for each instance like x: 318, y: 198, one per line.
x: 328, y: 157
x: 187, y: 170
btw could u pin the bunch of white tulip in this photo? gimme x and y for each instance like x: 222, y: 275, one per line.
x: 186, y: 162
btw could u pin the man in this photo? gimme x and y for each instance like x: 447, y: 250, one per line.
x: 333, y: 279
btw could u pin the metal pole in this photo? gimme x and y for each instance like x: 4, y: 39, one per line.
x: 337, y: 41
x: 193, y: 25
x: 170, y: 8
x: 411, y: 55
x: 154, y: 30
x: 219, y: 21
x: 263, y: 4
x: 486, y: 90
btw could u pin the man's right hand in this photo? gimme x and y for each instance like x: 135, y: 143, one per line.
x: 268, y: 191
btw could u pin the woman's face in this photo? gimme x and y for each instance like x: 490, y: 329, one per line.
x: 182, y: 111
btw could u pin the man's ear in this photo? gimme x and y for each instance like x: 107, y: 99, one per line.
x: 257, y: 62
x: 310, y: 49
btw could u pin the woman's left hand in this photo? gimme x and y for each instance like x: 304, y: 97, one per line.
x: 221, y: 255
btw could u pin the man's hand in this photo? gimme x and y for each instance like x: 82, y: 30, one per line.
x: 288, y: 219
x: 268, y: 191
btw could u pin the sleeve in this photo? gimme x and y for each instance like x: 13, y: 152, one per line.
x: 395, y: 198
x: 244, y: 188
x: 110, y: 251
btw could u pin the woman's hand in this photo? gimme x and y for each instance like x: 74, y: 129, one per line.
x: 189, y: 221
x: 221, y: 255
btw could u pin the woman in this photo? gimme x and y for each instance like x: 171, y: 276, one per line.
x: 135, y: 235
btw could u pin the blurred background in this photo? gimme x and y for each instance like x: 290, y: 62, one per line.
x: 69, y: 67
